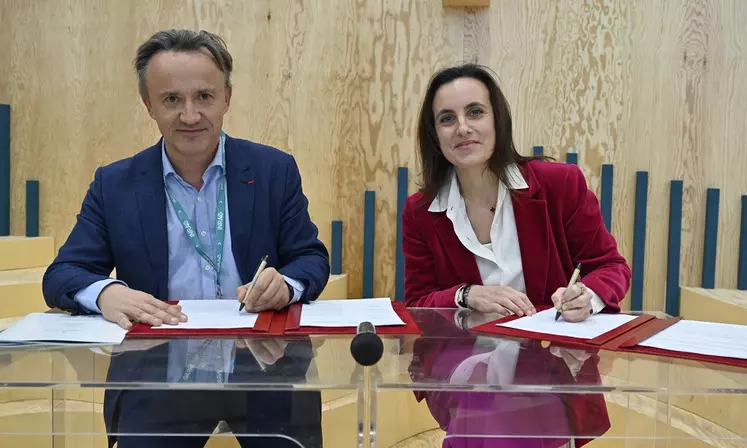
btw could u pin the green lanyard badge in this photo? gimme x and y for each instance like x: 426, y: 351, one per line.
x: 220, y: 225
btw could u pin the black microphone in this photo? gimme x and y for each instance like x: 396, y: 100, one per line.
x: 366, y: 346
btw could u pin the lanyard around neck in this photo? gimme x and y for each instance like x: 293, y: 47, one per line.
x: 220, y: 228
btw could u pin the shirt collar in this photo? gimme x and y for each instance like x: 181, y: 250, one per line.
x: 168, y: 168
x: 449, y: 195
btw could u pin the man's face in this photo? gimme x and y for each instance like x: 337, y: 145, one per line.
x: 187, y: 97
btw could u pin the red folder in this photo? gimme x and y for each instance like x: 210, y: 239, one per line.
x: 629, y: 343
x: 275, y: 323
x: 598, y: 342
x: 262, y: 327
x: 293, y: 323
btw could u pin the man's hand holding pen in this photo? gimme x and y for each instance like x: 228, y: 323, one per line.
x: 267, y: 290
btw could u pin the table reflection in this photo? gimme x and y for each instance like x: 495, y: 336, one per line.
x: 155, y: 398
x: 504, y: 418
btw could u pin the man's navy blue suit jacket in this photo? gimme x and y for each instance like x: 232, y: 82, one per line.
x: 122, y: 224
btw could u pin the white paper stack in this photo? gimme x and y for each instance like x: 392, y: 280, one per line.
x: 349, y: 313
x: 48, y: 328
x: 544, y: 322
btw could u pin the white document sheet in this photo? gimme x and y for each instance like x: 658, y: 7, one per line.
x: 63, y: 328
x: 213, y: 314
x: 704, y: 338
x: 544, y: 322
x: 349, y: 313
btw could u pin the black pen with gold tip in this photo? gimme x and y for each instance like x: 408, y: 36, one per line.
x: 262, y: 265
x: 574, y: 278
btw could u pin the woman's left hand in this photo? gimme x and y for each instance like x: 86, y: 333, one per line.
x: 574, y: 303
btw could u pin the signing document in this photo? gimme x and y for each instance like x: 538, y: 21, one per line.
x: 704, y: 338
x: 544, y: 322
x: 211, y: 314
x: 40, y: 328
x: 349, y: 313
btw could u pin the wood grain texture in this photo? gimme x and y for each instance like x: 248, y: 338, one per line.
x: 656, y: 86
x: 727, y: 306
x: 644, y: 86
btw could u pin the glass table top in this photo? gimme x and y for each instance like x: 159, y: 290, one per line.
x: 446, y: 356
x: 448, y: 386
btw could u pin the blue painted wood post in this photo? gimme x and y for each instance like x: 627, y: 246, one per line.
x: 32, y: 208
x: 710, y: 239
x: 336, y: 255
x: 4, y: 169
x: 742, y: 268
x: 606, y: 205
x: 639, y: 240
x: 399, y: 273
x: 673, y: 249
x: 369, y: 230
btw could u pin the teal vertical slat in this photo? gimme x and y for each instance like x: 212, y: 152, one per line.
x: 32, y: 208
x: 742, y: 267
x: 399, y: 273
x: 608, y: 173
x: 336, y: 255
x: 673, y: 249
x: 369, y: 230
x: 639, y: 240
x: 4, y: 169
x: 710, y: 238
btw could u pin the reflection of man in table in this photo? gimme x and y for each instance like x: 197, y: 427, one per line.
x: 506, y: 419
x: 188, y: 218
x: 185, y: 418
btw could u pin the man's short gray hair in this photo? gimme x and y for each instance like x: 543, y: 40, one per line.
x: 182, y: 41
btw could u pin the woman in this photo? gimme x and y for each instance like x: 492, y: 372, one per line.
x: 492, y: 230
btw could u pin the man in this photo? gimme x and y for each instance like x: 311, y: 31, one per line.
x: 188, y: 218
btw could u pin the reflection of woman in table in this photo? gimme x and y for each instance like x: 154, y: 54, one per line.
x: 487, y: 419
x: 495, y: 231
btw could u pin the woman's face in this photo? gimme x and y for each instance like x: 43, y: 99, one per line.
x: 464, y: 122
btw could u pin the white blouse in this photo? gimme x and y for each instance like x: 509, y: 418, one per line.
x: 499, y: 261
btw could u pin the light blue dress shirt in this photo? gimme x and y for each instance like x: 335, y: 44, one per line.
x: 190, y: 276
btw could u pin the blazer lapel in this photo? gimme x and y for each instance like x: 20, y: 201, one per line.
x: 241, y: 185
x: 462, y: 260
x: 532, y: 226
x: 151, y: 201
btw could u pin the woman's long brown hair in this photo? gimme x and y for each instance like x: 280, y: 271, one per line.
x: 435, y: 166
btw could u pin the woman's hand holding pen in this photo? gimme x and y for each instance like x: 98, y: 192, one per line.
x: 268, y: 292
x: 573, y: 303
x: 503, y: 300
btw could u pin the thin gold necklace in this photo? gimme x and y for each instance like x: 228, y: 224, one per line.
x: 492, y: 209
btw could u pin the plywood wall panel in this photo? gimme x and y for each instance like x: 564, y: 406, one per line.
x: 655, y: 86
